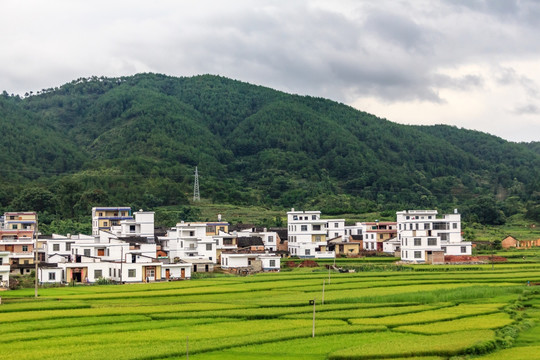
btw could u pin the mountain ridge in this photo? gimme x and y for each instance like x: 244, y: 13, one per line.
x: 135, y: 140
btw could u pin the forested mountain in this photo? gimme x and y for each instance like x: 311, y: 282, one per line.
x: 136, y: 141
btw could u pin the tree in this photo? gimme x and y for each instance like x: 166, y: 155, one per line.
x: 35, y: 199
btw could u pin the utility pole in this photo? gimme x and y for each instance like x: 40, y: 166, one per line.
x: 196, y: 192
x: 313, y: 330
x: 323, y: 291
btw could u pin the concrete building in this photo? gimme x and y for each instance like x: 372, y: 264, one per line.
x: 18, y: 238
x: 422, y: 234
x: 142, y: 224
x: 4, y: 269
x: 307, y: 232
x: 255, y: 262
x: 103, y: 218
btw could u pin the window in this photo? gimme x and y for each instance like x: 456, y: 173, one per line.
x: 192, y: 233
x: 303, y: 228
x: 132, y: 273
x: 336, y: 225
x: 317, y: 227
x: 1, y: 261
x: 272, y: 263
x: 68, y: 246
x: 26, y: 262
x: 443, y: 248
x: 417, y: 254
x: 295, y: 217
x: 308, y: 252
x: 444, y: 236
x: 463, y: 249
x: 131, y: 228
x: 381, y: 236
x: 208, y: 247
x: 270, y: 239
x: 98, y: 274
x: 313, y: 217
x: 427, y: 226
x: 25, y: 248
x: 86, y: 252
x: 318, y: 238
x: 56, y: 247
x: 14, y: 227
x: 52, y: 276
x: 105, y: 223
x: 454, y: 225
x: 417, y: 242
x: 432, y: 241
x: 110, y: 272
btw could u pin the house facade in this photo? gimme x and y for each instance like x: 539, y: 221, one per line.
x: 4, y: 269
x: 17, y: 236
x: 103, y: 218
x: 422, y: 233
x: 307, y: 233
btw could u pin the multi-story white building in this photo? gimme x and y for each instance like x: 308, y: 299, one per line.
x: 269, y: 238
x: 103, y: 218
x: 189, y: 241
x: 422, y: 234
x: 142, y: 224
x: 307, y: 232
x: 4, y: 269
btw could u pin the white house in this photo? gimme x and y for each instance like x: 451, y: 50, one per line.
x: 307, y: 232
x: 269, y: 238
x: 264, y: 262
x: 188, y: 241
x: 4, y: 269
x: 423, y: 232
x: 141, y: 225
x: 177, y: 271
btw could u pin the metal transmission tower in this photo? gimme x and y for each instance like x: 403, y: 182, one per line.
x: 196, y: 193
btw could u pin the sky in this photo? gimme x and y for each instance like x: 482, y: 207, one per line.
x: 473, y: 64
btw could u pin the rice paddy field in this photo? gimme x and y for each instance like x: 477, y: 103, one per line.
x: 422, y: 313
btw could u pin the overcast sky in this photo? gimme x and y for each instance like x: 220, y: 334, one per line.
x: 470, y: 63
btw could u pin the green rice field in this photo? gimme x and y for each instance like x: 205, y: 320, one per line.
x: 421, y: 313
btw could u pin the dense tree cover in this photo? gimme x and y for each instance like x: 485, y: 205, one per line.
x: 136, y: 140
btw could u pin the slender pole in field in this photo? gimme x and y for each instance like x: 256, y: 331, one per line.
x: 187, y: 347
x: 328, y: 275
x: 313, y: 331
x: 323, y: 291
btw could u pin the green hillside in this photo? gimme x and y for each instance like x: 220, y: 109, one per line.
x: 136, y: 140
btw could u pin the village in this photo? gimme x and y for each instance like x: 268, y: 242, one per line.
x: 125, y: 247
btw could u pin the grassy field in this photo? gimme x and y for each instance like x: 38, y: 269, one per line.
x: 434, y: 314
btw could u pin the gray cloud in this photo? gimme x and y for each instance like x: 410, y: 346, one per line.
x: 392, y: 51
x: 527, y: 109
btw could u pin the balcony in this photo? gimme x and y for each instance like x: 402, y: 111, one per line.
x: 20, y: 240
